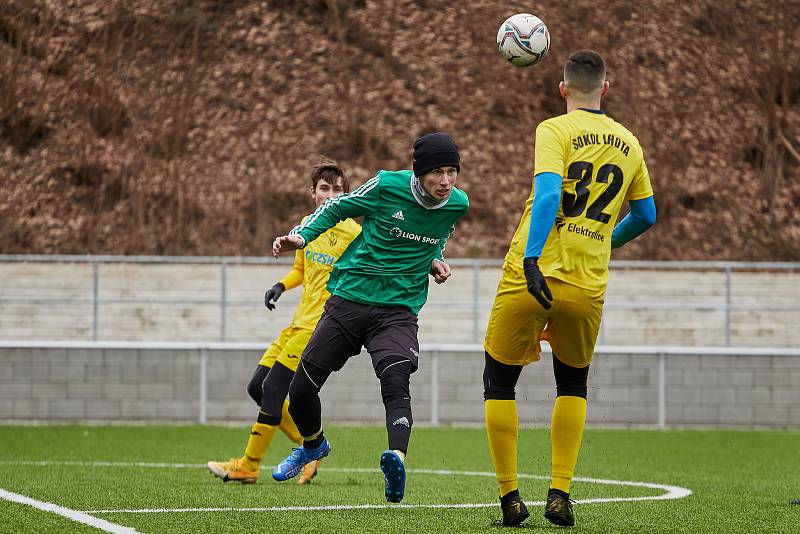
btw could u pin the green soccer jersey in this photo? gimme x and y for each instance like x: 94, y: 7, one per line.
x: 388, y: 263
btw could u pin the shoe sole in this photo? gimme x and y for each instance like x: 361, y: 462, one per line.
x: 302, y: 481
x: 558, y: 520
x: 225, y: 476
x: 517, y: 519
x: 395, y: 472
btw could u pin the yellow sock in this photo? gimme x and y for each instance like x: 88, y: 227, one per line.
x: 566, y: 431
x: 288, y: 426
x: 257, y: 445
x: 502, y: 428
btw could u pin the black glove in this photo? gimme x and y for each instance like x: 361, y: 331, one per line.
x: 273, y: 294
x: 537, y: 286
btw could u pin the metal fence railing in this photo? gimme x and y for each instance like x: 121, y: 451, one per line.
x: 733, y: 287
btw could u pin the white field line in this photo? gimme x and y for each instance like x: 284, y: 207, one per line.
x: 79, y: 517
x: 670, y: 492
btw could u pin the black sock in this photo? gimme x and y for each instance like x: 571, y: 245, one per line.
x: 304, y: 403
x: 395, y: 392
x: 398, y: 424
x: 314, y: 443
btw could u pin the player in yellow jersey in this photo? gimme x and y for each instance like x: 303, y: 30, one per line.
x: 555, y: 274
x: 270, y: 383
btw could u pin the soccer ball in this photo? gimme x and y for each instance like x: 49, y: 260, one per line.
x: 523, y: 39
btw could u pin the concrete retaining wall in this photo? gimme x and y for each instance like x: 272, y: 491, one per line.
x: 134, y: 384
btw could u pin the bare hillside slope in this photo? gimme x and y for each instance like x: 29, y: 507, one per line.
x: 188, y: 127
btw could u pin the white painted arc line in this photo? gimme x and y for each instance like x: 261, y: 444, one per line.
x: 671, y: 492
x: 74, y: 515
x: 45, y: 463
x: 345, y: 507
x: 677, y: 494
x: 325, y: 508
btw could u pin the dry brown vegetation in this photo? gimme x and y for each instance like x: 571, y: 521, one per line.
x: 188, y: 127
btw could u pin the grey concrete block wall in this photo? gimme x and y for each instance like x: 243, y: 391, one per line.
x: 98, y: 384
x: 163, y: 385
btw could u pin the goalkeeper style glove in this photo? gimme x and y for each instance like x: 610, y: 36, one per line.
x: 537, y: 286
x: 273, y: 294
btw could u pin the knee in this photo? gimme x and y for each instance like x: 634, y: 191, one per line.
x: 254, y: 390
x: 395, y: 384
x: 302, y: 386
x: 570, y: 381
x: 274, y: 389
x: 255, y: 385
x: 499, y: 379
x: 299, y: 390
x: 271, y: 406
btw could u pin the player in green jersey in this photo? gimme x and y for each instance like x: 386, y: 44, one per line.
x: 377, y: 288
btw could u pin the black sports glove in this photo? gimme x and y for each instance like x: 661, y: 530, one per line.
x: 537, y: 286
x: 273, y: 294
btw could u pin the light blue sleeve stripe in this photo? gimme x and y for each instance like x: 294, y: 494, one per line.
x: 641, y: 217
x: 546, y: 196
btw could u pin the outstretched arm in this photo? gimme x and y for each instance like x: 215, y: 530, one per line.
x: 287, y: 243
x: 361, y: 202
x: 641, y: 217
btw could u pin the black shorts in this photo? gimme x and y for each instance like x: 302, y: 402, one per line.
x: 346, y: 326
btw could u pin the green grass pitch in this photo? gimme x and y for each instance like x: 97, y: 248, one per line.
x: 740, y: 481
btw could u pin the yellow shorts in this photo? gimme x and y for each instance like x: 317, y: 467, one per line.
x: 518, y: 322
x: 288, y: 348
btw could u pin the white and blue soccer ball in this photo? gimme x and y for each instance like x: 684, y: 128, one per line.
x: 523, y: 39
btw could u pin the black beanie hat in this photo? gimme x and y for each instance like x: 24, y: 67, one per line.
x: 435, y: 150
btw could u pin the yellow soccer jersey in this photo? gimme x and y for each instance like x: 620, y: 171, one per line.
x: 602, y: 165
x: 312, y: 268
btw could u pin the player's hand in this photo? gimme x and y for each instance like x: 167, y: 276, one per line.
x: 287, y: 243
x: 273, y: 294
x: 440, y: 271
x: 537, y: 286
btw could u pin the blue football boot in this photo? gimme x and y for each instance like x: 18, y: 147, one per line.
x: 300, y: 456
x: 394, y: 476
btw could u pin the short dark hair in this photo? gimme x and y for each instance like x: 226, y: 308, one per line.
x: 329, y: 171
x: 585, y: 71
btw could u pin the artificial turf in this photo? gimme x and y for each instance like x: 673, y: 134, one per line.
x: 741, y: 481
